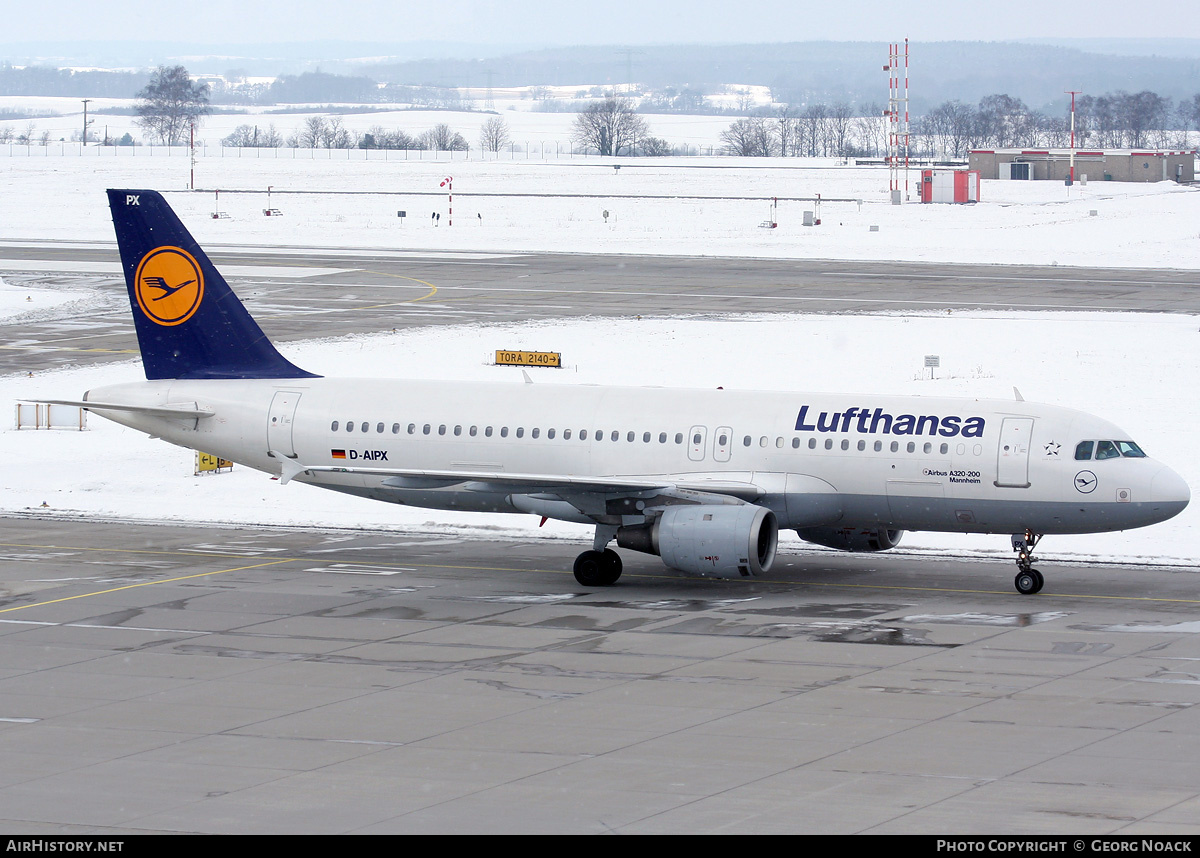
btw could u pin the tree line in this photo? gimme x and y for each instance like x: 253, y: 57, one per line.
x: 1118, y: 120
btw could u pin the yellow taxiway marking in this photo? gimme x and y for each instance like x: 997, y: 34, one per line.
x: 144, y: 584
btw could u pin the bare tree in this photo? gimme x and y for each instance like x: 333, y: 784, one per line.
x: 871, y: 129
x: 752, y: 136
x: 441, y: 138
x: 335, y: 135
x: 170, y: 103
x: 494, y: 136
x: 610, y: 127
x: 840, y: 115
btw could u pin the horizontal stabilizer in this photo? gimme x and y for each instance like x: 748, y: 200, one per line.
x: 186, y: 410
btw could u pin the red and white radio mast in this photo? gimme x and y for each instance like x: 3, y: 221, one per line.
x: 897, y: 114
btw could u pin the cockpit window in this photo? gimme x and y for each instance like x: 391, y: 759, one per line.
x: 1107, y: 450
x: 1084, y: 450
x: 1130, y: 449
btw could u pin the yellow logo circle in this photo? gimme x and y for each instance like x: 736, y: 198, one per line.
x: 169, y: 285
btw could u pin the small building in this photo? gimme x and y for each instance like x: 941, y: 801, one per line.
x: 949, y: 186
x: 1115, y: 165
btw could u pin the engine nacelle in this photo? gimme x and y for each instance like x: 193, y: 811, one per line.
x: 729, y: 540
x: 852, y: 538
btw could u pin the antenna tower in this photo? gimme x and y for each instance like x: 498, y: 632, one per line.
x: 897, y: 116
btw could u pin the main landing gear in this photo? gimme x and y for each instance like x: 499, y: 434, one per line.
x: 600, y: 567
x: 1028, y: 580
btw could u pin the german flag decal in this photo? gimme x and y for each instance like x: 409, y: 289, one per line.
x: 338, y: 454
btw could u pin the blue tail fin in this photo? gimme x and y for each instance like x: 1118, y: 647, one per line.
x: 189, y: 323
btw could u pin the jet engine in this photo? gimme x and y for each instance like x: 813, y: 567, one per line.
x: 725, y: 540
x: 852, y: 538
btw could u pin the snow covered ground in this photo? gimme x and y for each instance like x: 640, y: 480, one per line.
x: 689, y: 206
x: 1130, y: 368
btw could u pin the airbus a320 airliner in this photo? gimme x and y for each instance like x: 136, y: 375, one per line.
x: 703, y: 478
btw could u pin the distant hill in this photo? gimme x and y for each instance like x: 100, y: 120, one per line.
x: 805, y: 72
x: 1037, y: 72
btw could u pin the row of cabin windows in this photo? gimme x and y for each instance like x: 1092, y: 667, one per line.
x: 911, y: 446
x: 615, y: 435
x: 488, y: 432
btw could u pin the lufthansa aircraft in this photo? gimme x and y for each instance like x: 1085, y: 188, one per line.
x: 703, y: 478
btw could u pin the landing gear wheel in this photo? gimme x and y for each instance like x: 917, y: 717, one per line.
x: 598, y: 568
x: 1029, y: 582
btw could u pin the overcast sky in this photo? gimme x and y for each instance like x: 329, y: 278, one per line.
x: 556, y: 22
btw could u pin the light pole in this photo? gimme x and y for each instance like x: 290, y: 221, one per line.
x: 85, y: 122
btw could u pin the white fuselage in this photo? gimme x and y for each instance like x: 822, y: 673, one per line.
x: 816, y: 460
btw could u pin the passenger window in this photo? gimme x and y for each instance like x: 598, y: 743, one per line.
x: 1107, y: 450
x: 762, y: 441
x: 779, y: 442
x: 395, y: 428
x: 645, y: 437
x: 878, y: 446
x: 746, y: 441
x: 488, y: 432
x: 520, y: 431
x: 457, y: 431
x: 845, y: 443
x: 630, y: 437
x: 928, y: 448
x: 862, y: 445
x: 425, y: 429
x: 696, y: 438
x: 895, y: 446
x: 566, y: 434
x: 550, y: 434
x: 722, y: 440
x: 812, y: 443
x: 349, y: 426
x: 911, y: 446
x: 944, y: 449
x: 795, y: 443
x: 662, y: 437
x: 503, y: 431
x: 442, y: 429
x: 1083, y: 451
x: 828, y: 443
x: 582, y: 434
x: 616, y: 436
x: 379, y: 428
x: 366, y: 427
x: 474, y: 431
x: 412, y: 428
x: 678, y: 437
x: 535, y: 432
x: 334, y: 427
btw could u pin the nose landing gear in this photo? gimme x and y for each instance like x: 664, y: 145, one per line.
x: 1028, y: 580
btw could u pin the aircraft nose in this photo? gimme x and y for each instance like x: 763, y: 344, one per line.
x: 1170, y: 491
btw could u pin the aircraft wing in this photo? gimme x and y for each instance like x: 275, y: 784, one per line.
x: 514, y: 483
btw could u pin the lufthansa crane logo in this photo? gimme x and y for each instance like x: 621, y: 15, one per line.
x: 169, y: 285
